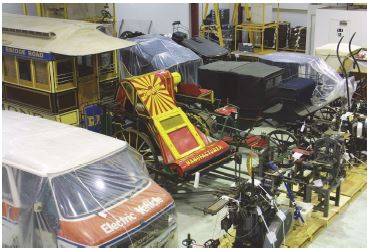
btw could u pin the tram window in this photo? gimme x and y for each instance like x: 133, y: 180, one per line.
x: 9, y: 65
x: 6, y: 186
x: 41, y: 73
x: 106, y: 62
x: 66, y: 100
x: 85, y: 65
x: 65, y: 72
x: 24, y: 69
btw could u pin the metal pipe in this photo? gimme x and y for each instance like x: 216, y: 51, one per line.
x: 114, y: 20
x: 344, y: 71
x: 229, y: 168
x: 39, y: 9
x: 355, y: 61
x: 66, y: 11
x: 221, y: 177
x: 25, y: 11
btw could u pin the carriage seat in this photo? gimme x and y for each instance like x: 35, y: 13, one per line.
x: 298, y: 89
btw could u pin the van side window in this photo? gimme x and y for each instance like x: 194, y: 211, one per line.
x: 28, y: 186
x: 34, y: 189
x: 49, y: 209
x: 6, y: 186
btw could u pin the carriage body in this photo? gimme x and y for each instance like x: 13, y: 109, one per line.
x: 251, y: 86
x: 58, y: 69
x: 149, y: 101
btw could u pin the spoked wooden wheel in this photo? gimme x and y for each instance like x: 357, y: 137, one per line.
x: 282, y: 139
x: 326, y: 113
x: 328, y: 152
x: 140, y: 142
x: 284, y: 142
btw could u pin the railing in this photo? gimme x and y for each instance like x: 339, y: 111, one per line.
x: 65, y: 78
x: 45, y: 35
x: 106, y: 69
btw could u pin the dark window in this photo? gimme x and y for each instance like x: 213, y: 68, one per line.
x: 9, y: 65
x: 6, y: 186
x: 41, y: 73
x: 278, y: 80
x: 66, y: 100
x: 26, y: 96
x: 269, y: 84
x: 65, y: 72
x: 24, y: 69
x: 107, y: 90
x: 105, y: 62
x: 85, y: 65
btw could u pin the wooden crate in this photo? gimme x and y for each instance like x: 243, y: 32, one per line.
x: 333, y: 210
x: 300, y: 236
x: 361, y: 170
x: 353, y: 184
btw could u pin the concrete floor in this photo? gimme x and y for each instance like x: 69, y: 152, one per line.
x: 347, y: 230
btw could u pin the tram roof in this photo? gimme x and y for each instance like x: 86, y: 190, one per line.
x: 60, y: 36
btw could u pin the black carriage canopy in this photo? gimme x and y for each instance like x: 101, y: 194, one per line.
x: 155, y: 52
x: 249, y: 85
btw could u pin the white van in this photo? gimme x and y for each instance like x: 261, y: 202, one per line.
x: 65, y: 186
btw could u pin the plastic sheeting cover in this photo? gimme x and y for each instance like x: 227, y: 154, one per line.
x: 330, y: 85
x: 108, y: 202
x: 156, y: 52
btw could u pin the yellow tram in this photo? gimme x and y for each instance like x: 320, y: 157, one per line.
x: 57, y: 68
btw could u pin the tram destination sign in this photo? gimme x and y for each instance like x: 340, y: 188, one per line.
x: 30, y: 54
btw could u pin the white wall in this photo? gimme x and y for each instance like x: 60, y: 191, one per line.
x: 294, y: 17
x: 327, y: 22
x: 17, y: 8
x: 162, y: 14
x: 13, y: 8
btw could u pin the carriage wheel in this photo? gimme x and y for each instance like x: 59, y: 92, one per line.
x: 283, y: 140
x: 326, y: 113
x: 329, y: 151
x: 140, y: 142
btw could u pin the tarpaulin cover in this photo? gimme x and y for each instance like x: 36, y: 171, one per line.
x: 156, y: 52
x: 108, y: 201
x: 329, y: 84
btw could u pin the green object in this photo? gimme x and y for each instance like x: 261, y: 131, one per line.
x: 107, y: 123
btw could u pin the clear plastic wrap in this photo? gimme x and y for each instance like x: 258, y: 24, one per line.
x: 329, y: 84
x: 109, y: 201
x: 156, y: 52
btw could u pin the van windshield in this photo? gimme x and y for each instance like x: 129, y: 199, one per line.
x: 100, y: 184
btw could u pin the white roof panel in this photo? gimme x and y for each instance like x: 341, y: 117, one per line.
x: 330, y: 49
x: 70, y: 37
x: 44, y: 147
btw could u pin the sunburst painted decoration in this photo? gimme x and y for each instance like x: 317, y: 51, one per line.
x: 153, y: 93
